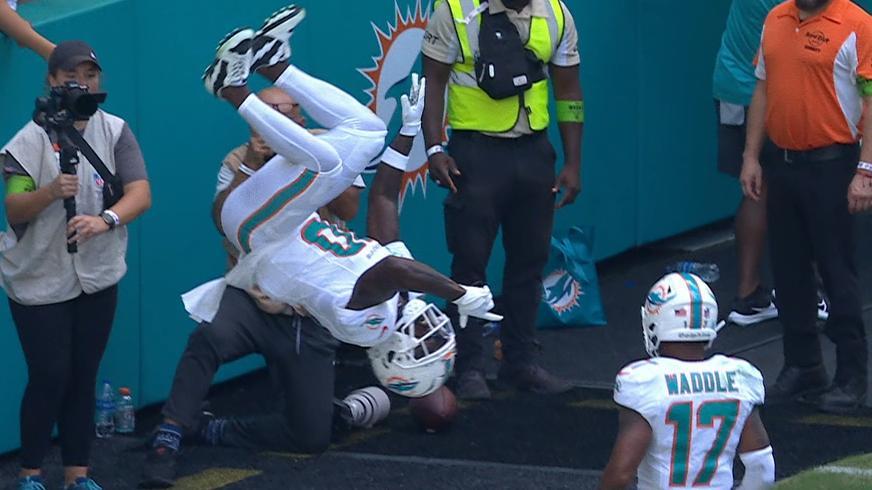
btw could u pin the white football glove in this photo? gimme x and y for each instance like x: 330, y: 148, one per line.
x: 476, y: 302
x: 413, y: 107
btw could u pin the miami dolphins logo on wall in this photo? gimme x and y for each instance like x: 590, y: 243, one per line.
x: 562, y: 291
x: 390, y: 77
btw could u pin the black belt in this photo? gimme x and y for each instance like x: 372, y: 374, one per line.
x: 822, y: 154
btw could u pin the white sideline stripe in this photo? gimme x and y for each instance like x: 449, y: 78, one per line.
x: 465, y: 463
x: 846, y: 470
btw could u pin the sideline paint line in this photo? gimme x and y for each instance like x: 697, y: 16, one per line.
x: 845, y: 470
x: 293, y: 456
x: 836, y: 420
x: 465, y: 463
x: 214, y: 478
x: 595, y: 403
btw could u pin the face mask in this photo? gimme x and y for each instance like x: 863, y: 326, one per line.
x: 810, y: 5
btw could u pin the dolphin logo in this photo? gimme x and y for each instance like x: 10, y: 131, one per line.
x: 561, y: 291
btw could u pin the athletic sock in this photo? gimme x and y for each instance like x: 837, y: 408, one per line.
x: 169, y: 436
x: 213, y: 431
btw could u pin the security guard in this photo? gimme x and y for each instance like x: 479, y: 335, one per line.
x: 495, y: 59
x: 814, y: 88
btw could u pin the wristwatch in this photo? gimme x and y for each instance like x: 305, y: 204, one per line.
x: 110, y: 218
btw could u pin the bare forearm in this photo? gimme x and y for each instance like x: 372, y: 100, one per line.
x: 756, y: 121
x: 23, y: 208
x: 571, y: 134
x: 434, y: 100
x: 567, y: 87
x: 383, y: 211
x: 346, y: 205
x: 22, y: 32
x: 420, y: 277
x: 136, y: 200
x: 612, y: 480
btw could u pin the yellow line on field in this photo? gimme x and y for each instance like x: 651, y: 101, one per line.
x: 836, y: 420
x: 595, y: 403
x: 293, y: 456
x: 214, y: 478
x: 359, y: 437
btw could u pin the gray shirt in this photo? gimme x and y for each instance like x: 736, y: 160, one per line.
x: 128, y: 159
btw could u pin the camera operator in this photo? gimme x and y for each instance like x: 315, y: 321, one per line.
x: 63, y: 303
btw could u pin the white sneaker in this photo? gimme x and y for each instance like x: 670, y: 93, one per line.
x: 755, y: 308
x: 232, y: 62
x: 271, y: 44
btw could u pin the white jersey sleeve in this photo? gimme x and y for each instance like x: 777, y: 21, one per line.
x: 635, y: 389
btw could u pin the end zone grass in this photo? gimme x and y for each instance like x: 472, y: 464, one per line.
x: 853, y: 473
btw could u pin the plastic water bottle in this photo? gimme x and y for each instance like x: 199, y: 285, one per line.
x: 125, y: 415
x: 491, y: 329
x: 706, y: 272
x: 105, y: 413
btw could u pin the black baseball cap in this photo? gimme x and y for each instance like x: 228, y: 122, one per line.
x: 69, y: 54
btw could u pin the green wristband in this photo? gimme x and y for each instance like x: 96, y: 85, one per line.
x: 570, y: 111
x: 19, y: 184
x: 865, y: 86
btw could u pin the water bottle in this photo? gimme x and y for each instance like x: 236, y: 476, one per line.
x: 491, y: 329
x: 105, y: 413
x: 707, y: 272
x: 125, y: 416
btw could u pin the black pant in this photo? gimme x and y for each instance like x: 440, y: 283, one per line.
x: 506, y: 183
x: 299, y: 350
x: 807, y: 212
x: 63, y: 344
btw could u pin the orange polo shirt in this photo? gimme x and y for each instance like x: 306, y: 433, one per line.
x: 811, y: 69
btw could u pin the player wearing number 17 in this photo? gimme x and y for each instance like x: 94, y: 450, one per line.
x: 682, y: 416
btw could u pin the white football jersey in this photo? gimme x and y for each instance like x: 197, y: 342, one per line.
x: 696, y: 410
x: 281, y: 195
x: 317, y: 268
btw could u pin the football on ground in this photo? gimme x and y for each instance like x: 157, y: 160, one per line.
x: 436, y: 411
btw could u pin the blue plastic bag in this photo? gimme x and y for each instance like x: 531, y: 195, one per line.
x: 571, y: 295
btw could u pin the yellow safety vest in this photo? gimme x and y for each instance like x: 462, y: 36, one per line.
x: 469, y: 107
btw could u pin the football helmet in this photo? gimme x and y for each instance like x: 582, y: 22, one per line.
x: 680, y: 307
x: 418, y: 357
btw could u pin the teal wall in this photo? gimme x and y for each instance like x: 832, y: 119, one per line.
x: 649, y: 167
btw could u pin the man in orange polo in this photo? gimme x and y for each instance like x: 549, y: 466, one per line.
x: 814, y: 87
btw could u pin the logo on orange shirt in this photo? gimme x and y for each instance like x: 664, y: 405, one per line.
x: 814, y: 40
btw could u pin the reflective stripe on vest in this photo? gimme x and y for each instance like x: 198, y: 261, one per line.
x: 469, y: 107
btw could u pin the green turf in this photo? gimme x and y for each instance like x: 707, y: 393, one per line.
x: 862, y: 461
x: 819, y: 481
x: 817, y: 478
